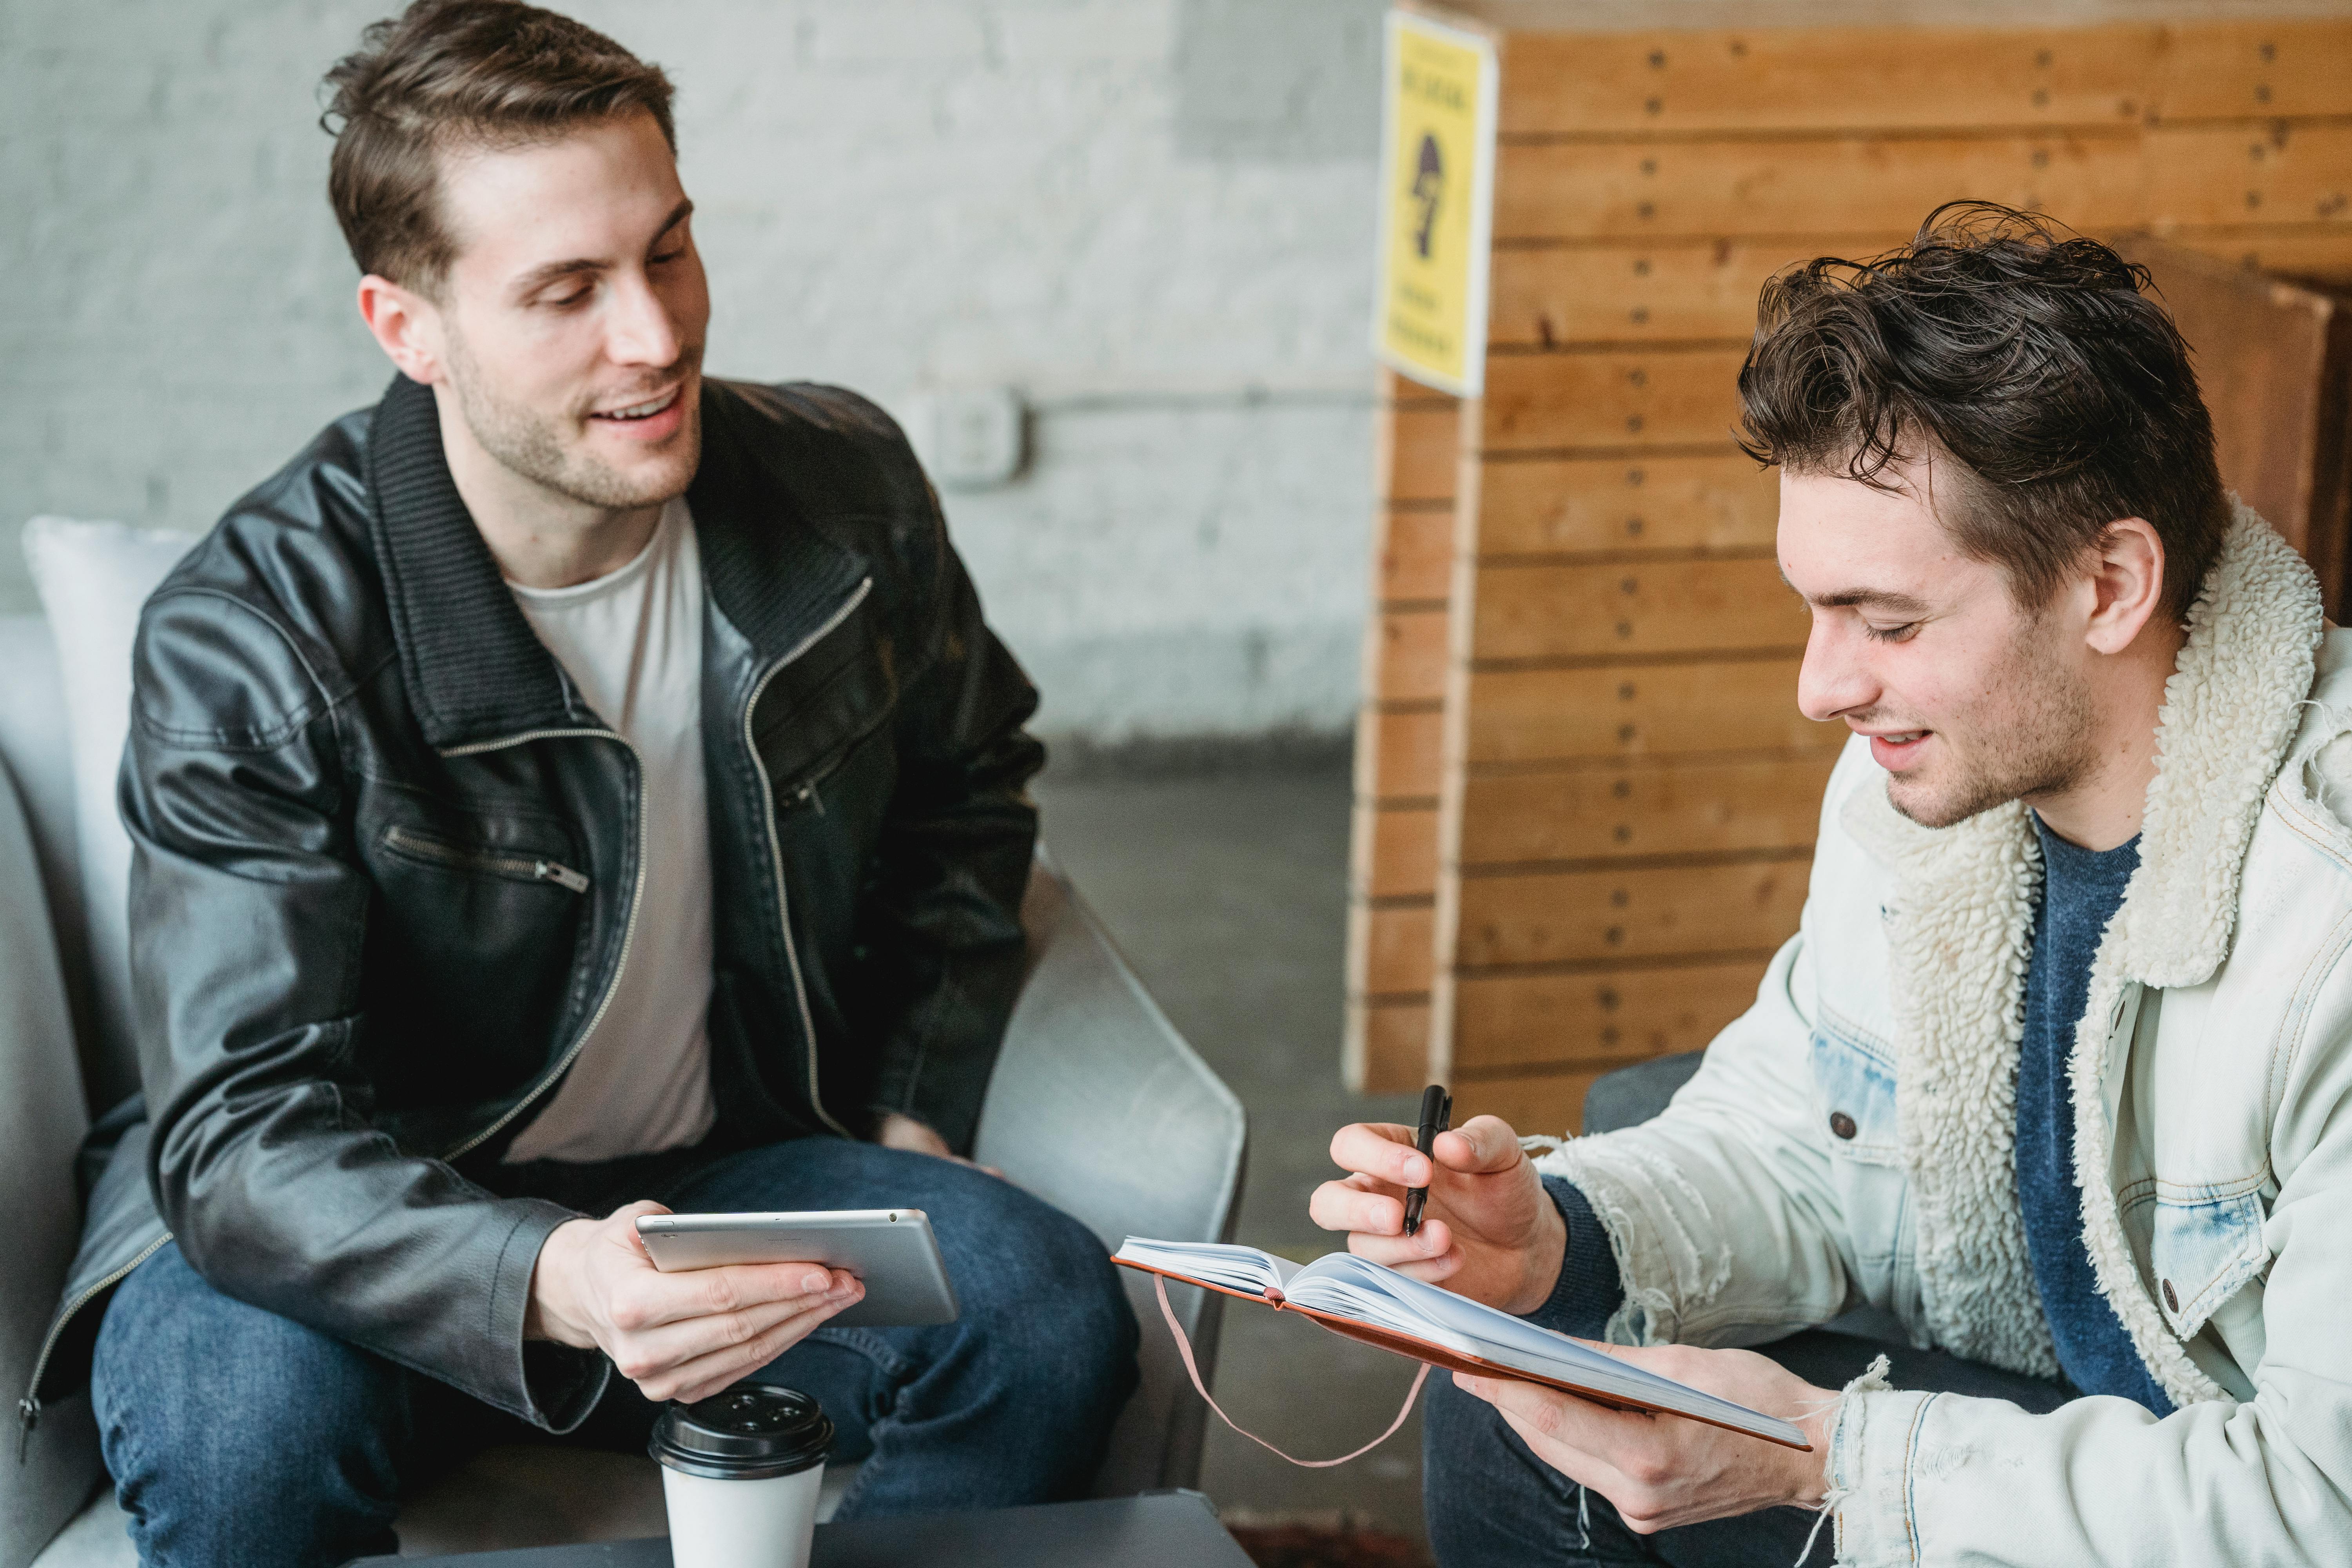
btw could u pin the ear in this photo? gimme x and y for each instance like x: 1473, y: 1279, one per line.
x: 2127, y: 577
x: 406, y: 325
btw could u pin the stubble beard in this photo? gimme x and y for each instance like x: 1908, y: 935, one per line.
x: 2038, y: 743
x: 532, y: 445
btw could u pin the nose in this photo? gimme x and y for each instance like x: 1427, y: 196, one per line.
x: 639, y: 329
x: 1833, y: 678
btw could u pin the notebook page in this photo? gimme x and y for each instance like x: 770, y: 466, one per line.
x: 1242, y: 1269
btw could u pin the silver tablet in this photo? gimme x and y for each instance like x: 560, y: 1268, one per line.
x: 892, y: 1250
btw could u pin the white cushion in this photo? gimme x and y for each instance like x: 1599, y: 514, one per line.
x: 92, y: 578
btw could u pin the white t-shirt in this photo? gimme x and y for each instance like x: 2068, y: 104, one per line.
x: 632, y: 642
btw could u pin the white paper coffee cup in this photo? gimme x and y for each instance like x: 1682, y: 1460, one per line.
x: 740, y: 1476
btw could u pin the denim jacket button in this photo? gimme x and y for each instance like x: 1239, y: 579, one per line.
x: 1841, y: 1124
x: 2171, y: 1301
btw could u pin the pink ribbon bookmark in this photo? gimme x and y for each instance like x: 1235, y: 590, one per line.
x: 1184, y: 1349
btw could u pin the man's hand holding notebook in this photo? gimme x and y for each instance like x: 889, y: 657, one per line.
x: 1369, y: 1301
x: 1492, y: 1234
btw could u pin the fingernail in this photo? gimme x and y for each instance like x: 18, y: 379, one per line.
x: 843, y: 1292
x: 813, y: 1283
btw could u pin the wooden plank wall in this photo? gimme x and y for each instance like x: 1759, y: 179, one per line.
x: 1393, y: 884
x: 1625, y: 795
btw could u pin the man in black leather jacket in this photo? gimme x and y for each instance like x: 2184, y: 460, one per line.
x: 394, y: 856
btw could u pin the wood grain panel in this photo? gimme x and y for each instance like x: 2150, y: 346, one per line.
x: 1416, y: 556
x: 1554, y: 295
x: 1399, y: 850
x: 1389, y: 1046
x: 2279, y: 172
x: 1634, y: 607
x: 1541, y: 506
x: 1414, y: 455
x: 2261, y: 68
x: 1683, y: 808
x: 1633, y: 399
x: 1531, y: 1103
x: 1793, y: 78
x: 1568, y: 917
x: 1675, y: 288
x: 1612, y: 1016
x: 1771, y: 185
x: 2274, y: 363
x: 1397, y: 953
x: 1641, y: 710
x: 1412, y: 659
x: 1402, y: 754
x: 2319, y: 252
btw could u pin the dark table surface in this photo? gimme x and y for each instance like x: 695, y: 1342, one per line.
x: 1164, y: 1530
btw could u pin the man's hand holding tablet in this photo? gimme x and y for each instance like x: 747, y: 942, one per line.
x: 683, y: 1336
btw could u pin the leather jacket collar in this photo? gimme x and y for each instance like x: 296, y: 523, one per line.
x: 475, y: 670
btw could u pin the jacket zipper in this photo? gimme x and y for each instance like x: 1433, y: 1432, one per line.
x: 628, y: 932
x: 28, y: 1409
x: 527, y: 868
x: 775, y: 846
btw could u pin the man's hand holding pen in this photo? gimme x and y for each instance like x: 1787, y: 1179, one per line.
x: 1488, y: 1231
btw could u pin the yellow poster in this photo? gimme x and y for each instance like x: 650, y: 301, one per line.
x: 1437, y: 198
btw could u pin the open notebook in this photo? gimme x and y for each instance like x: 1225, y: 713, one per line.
x: 1367, y: 1301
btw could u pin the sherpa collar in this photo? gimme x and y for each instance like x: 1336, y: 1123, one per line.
x: 2229, y: 712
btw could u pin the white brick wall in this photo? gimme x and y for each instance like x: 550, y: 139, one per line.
x: 1153, y: 215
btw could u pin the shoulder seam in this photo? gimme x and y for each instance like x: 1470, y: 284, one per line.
x: 323, y: 699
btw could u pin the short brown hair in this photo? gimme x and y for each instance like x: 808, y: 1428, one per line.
x: 2035, y: 361
x: 447, y: 73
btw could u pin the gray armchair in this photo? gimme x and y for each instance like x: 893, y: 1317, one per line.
x: 1098, y: 1105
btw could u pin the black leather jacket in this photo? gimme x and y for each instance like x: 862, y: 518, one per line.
x: 387, y: 864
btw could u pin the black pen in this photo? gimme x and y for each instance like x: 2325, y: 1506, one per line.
x: 1437, y: 1116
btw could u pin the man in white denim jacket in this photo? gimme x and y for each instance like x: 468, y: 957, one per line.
x: 1855, y: 1138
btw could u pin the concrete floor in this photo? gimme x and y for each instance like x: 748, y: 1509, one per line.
x: 1229, y: 896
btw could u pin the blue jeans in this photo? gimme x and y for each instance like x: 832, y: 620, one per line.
x: 241, y: 1438
x: 1491, y: 1502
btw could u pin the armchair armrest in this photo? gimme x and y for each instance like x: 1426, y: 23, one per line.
x: 1099, y: 1106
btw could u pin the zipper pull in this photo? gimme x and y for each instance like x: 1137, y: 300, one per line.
x: 28, y: 1416
x: 562, y: 875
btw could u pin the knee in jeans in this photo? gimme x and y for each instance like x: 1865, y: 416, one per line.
x: 200, y: 1394
x: 1064, y: 1293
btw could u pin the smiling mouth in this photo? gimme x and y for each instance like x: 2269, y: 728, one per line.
x: 641, y: 410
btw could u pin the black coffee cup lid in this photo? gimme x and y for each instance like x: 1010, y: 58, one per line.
x: 752, y: 1431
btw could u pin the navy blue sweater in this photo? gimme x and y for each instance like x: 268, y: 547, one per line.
x: 2080, y: 890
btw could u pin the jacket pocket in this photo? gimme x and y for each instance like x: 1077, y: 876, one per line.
x: 410, y: 844
x: 1855, y: 1119
x: 2202, y: 1250
x: 1854, y: 1098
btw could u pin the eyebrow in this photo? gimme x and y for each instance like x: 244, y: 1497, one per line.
x: 1863, y: 598
x: 1871, y: 599
x: 539, y: 278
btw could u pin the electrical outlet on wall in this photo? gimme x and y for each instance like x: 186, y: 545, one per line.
x: 969, y: 437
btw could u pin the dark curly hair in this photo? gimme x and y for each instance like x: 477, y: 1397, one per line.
x: 447, y: 73
x: 2033, y: 359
